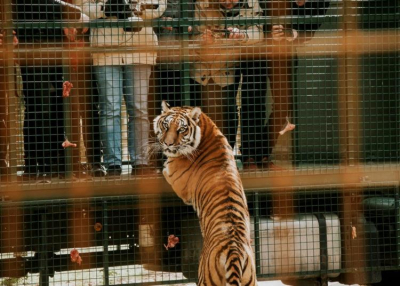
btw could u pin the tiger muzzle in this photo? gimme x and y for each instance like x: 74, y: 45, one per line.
x: 170, y: 138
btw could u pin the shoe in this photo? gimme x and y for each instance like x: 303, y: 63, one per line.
x: 44, y: 178
x: 250, y: 165
x: 266, y: 164
x: 98, y: 171
x: 114, y: 171
x: 143, y: 170
x: 26, y: 177
x: 80, y: 171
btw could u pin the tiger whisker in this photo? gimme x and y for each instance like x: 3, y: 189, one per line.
x: 153, y: 149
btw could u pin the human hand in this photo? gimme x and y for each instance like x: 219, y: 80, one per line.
x: 85, y: 19
x: 167, y: 28
x: 301, y: 2
x: 70, y: 33
x: 67, y: 144
x: 15, y: 39
x: 235, y: 33
x: 207, y: 38
x: 277, y: 33
x: 280, y: 34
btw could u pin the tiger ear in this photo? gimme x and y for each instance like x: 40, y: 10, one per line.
x: 165, y: 106
x: 195, y: 114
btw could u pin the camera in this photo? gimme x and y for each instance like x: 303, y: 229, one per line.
x: 134, y: 5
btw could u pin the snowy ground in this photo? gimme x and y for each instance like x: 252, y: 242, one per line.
x: 273, y: 283
x: 117, y: 276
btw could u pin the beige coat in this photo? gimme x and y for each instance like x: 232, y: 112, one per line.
x: 218, y: 61
x: 109, y: 38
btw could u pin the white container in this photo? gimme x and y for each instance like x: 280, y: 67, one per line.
x: 293, y: 245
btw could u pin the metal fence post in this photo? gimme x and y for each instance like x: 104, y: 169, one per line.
x: 257, y: 249
x: 43, y: 265
x: 106, y: 278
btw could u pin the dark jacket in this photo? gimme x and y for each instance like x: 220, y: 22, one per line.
x: 174, y: 11
x: 303, y: 26
x: 41, y: 11
x: 310, y: 8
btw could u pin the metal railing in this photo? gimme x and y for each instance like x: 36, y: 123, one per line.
x: 332, y: 213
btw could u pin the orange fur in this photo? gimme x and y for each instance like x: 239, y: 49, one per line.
x: 209, y: 180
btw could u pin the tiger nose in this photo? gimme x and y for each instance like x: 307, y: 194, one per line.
x: 169, y: 142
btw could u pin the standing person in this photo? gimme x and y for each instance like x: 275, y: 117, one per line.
x: 168, y: 70
x: 42, y: 85
x: 281, y: 66
x: 217, y: 66
x: 84, y: 105
x: 124, y: 74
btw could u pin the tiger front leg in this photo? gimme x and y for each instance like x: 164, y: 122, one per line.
x: 177, y: 185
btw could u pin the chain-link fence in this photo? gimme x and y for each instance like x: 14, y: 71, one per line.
x: 306, y: 93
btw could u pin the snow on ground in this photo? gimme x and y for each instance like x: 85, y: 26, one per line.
x: 117, y: 275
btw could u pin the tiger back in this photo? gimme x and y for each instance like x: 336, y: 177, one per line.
x: 201, y: 169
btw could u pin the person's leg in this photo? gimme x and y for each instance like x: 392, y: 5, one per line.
x: 92, y: 123
x: 254, y: 93
x: 219, y: 103
x: 212, y: 103
x: 196, y: 91
x: 110, y: 80
x: 77, y: 103
x: 168, y: 88
x: 84, y: 101
x: 171, y: 87
x: 136, y: 93
x: 230, y: 110
x: 57, y: 136
x: 32, y: 119
x: 45, y: 125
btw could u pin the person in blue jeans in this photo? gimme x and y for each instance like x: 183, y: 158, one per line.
x: 124, y: 74
x: 131, y: 81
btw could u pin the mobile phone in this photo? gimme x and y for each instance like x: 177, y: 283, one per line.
x: 288, y: 33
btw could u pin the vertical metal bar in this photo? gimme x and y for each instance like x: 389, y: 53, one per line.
x: 67, y: 118
x: 44, y: 279
x: 349, y: 139
x: 257, y: 244
x: 183, y: 25
x: 11, y: 88
x: 323, y: 242
x: 397, y: 75
x: 295, y: 133
x: 105, y: 245
x: 397, y: 223
x: 349, y: 98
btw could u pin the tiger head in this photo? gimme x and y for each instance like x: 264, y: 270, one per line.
x: 177, y: 130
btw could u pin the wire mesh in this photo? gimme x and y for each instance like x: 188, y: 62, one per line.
x: 306, y: 93
x: 137, y: 240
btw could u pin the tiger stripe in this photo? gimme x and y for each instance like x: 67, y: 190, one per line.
x: 201, y: 169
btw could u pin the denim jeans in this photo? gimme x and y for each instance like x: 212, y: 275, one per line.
x: 132, y: 83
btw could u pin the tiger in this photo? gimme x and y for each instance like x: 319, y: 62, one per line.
x: 201, y: 169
